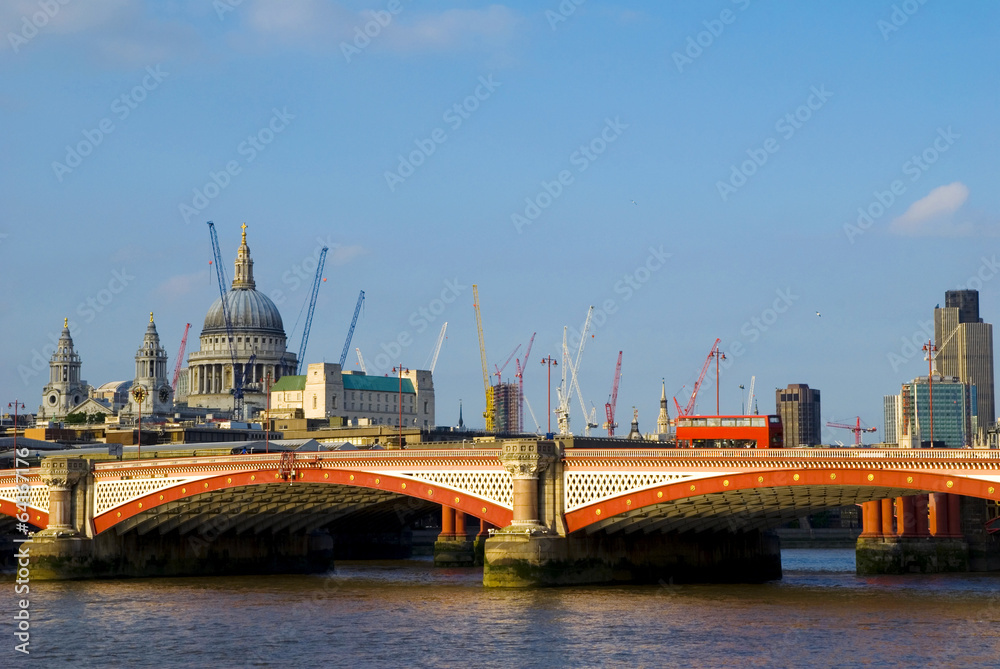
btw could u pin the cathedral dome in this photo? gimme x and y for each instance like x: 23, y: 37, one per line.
x: 249, y: 309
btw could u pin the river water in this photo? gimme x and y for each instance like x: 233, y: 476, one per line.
x: 408, y: 614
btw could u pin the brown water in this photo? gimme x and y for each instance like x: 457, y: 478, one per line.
x: 394, y: 614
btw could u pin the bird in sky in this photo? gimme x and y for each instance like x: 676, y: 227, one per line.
x: 818, y: 314
x: 635, y: 203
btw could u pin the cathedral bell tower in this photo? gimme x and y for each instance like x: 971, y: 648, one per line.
x: 65, y: 389
x: 151, y: 374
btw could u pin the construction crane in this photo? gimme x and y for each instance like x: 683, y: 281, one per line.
x: 856, y: 429
x: 437, y: 347
x: 686, y: 411
x: 751, y: 400
x: 247, y: 371
x: 562, y: 391
x: 180, y: 358
x: 565, y: 389
x: 223, y: 281
x: 609, y: 408
x: 312, y: 308
x: 504, y: 366
x: 589, y: 421
x: 350, y: 333
x: 520, y: 383
x: 489, y: 414
x: 361, y: 362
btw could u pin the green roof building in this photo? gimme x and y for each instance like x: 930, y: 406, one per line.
x: 326, y: 391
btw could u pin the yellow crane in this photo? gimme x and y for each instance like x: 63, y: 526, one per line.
x: 489, y: 413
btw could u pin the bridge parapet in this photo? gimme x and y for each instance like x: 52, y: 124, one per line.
x: 37, y: 496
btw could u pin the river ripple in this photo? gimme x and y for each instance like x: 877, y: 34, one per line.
x: 401, y: 614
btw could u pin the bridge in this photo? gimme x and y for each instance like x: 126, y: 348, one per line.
x: 550, y: 506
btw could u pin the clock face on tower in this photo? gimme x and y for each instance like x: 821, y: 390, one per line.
x: 164, y: 394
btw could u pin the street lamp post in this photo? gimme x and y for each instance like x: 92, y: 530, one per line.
x: 400, y: 370
x: 267, y: 414
x: 719, y: 355
x: 139, y: 395
x: 549, y: 362
x: 15, y: 404
x: 743, y: 401
x: 930, y: 348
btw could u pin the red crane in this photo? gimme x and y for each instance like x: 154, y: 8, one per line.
x: 686, y: 411
x: 504, y: 366
x: 856, y: 429
x: 520, y: 379
x: 609, y: 408
x: 180, y: 357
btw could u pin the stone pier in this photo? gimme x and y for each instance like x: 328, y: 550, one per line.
x: 536, y: 550
x: 453, y: 547
x: 912, y: 534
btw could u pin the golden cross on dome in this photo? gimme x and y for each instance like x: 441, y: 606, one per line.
x: 65, y: 322
x: 150, y: 316
x: 244, y: 226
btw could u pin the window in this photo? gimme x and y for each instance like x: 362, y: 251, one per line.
x: 425, y: 406
x: 314, y: 401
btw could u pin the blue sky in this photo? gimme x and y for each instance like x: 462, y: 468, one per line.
x: 695, y: 168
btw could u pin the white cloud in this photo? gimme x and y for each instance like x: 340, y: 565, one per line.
x: 117, y: 32
x: 182, y: 285
x: 934, y: 214
x: 323, y: 26
x: 341, y: 255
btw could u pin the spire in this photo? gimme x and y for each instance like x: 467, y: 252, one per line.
x: 663, y: 420
x: 634, y: 432
x: 65, y: 344
x: 151, y: 358
x: 243, y: 277
x: 461, y: 423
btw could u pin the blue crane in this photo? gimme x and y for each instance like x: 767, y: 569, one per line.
x: 350, y: 333
x: 312, y: 308
x: 223, y: 281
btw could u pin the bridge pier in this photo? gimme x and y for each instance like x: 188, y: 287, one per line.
x: 923, y: 541
x: 453, y: 547
x: 536, y: 550
x: 64, y: 550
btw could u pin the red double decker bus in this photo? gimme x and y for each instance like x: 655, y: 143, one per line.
x: 729, y: 432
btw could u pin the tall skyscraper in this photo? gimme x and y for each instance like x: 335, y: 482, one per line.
x: 798, y: 405
x: 965, y: 348
x: 967, y: 303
